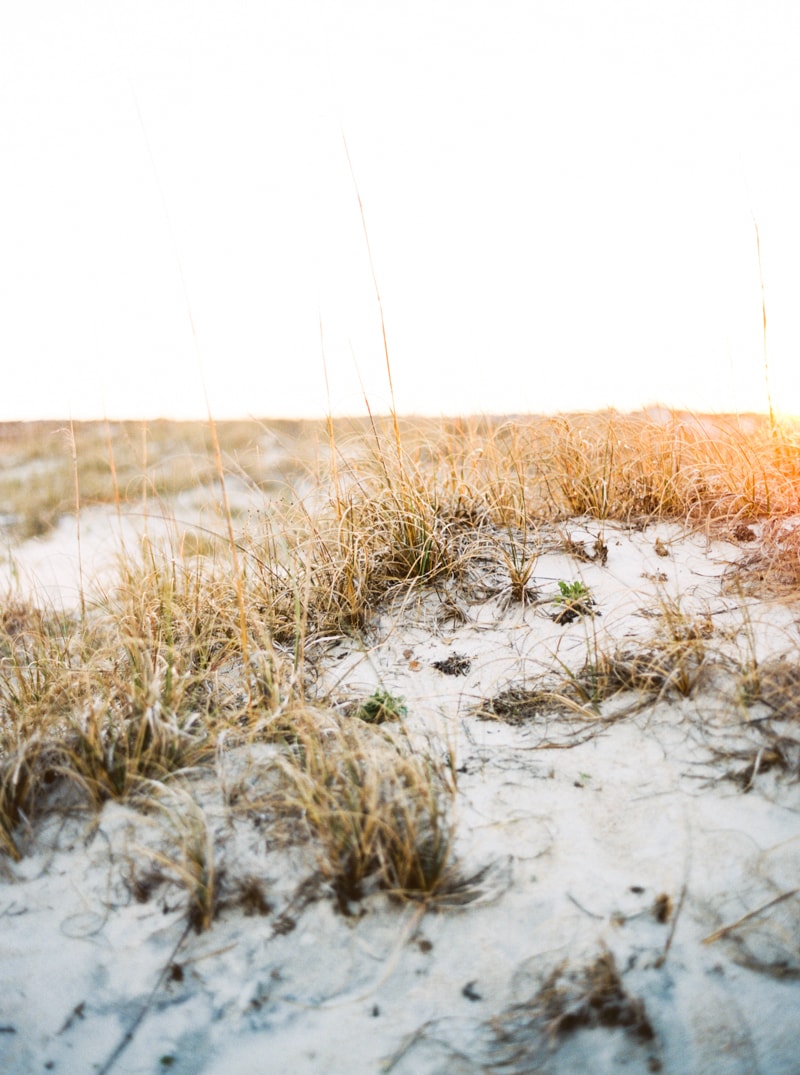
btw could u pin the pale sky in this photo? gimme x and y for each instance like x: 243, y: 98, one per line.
x: 559, y: 195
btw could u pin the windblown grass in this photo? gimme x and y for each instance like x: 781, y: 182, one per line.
x: 133, y: 464
x: 378, y: 811
x: 209, y: 641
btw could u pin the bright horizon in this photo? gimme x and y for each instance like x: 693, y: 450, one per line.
x: 560, y: 198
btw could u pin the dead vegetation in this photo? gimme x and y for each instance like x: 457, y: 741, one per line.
x: 208, y: 643
x: 774, y: 566
x: 569, y: 999
x: 647, y: 673
x: 200, y: 640
x: 379, y: 813
x: 136, y: 464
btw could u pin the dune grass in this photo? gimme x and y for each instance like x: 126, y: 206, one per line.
x: 206, y: 642
x: 132, y: 464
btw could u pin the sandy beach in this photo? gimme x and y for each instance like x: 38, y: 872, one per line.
x: 621, y: 888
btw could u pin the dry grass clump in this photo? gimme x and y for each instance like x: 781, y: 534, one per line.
x: 36, y: 648
x: 655, y: 670
x: 115, y: 755
x: 192, y: 862
x: 139, y: 689
x: 673, y: 662
x: 356, y: 557
x: 23, y: 775
x: 380, y: 528
x: 770, y: 742
x: 774, y: 567
x: 634, y: 467
x: 777, y: 685
x: 569, y: 999
x: 97, y: 735
x: 617, y: 468
x: 570, y: 694
x: 38, y: 656
x: 379, y: 813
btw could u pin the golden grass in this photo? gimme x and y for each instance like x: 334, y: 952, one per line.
x: 378, y: 811
x: 132, y: 463
x: 204, y: 642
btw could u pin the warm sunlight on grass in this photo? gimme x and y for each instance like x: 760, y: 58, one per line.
x: 155, y: 673
x: 208, y: 686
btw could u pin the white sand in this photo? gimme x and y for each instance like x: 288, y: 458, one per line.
x: 581, y: 836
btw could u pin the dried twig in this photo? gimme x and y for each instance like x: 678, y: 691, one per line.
x: 724, y: 930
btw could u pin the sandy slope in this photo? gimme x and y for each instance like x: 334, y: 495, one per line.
x: 608, y: 863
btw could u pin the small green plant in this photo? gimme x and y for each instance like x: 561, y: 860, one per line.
x: 380, y: 707
x: 571, y: 592
x: 574, y: 600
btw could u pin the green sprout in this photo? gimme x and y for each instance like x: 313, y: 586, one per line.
x: 572, y: 593
x: 381, y: 706
x: 574, y: 600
